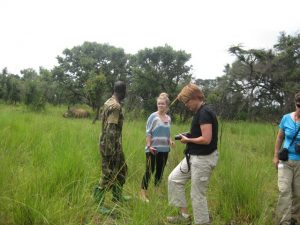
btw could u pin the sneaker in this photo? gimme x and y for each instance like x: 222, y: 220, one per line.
x: 179, y: 219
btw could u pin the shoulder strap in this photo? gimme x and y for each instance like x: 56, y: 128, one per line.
x: 294, y: 138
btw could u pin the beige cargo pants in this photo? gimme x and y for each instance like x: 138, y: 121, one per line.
x: 288, y: 205
x: 201, y: 169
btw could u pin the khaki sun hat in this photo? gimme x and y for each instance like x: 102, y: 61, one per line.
x: 188, y: 92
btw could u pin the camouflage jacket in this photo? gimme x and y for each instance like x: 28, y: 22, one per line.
x: 112, y: 123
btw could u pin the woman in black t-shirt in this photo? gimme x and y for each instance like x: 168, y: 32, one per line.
x: 201, y: 158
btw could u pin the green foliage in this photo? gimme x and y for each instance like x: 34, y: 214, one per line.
x: 79, y: 66
x: 94, y: 89
x: 34, y: 95
x: 10, y: 87
x: 29, y: 74
x: 258, y: 85
x: 12, y: 90
x: 245, y: 174
x: 51, y: 89
x: 47, y: 175
x: 2, y: 83
x: 162, y: 67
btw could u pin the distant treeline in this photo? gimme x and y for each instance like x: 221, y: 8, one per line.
x: 259, y: 84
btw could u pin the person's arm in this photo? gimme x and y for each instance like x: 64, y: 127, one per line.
x: 148, y: 144
x: 278, y: 144
x: 149, y: 128
x: 148, y: 141
x: 205, y: 139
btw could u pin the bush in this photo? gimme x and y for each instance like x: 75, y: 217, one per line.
x: 34, y: 96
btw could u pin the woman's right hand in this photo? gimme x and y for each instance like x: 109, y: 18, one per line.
x: 276, y: 161
x: 153, y: 150
x: 278, y: 144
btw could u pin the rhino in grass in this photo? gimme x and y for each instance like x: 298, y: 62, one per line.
x: 76, y: 113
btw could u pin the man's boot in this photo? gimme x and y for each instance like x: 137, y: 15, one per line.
x: 293, y: 221
x: 117, y: 194
x: 99, y: 194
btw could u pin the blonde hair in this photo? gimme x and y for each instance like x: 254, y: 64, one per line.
x: 190, y: 91
x: 164, y: 96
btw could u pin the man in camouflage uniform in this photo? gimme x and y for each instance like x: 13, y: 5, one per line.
x: 114, y: 168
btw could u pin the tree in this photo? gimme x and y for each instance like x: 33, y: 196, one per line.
x: 287, y: 73
x: 34, y: 89
x: 12, y: 89
x: 29, y: 74
x: 161, y: 69
x: 34, y: 95
x: 252, y: 74
x: 52, y: 92
x: 260, y: 81
x: 82, y: 63
x: 3, y: 83
x: 95, y: 89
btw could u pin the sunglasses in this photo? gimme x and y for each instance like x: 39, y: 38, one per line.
x: 298, y: 105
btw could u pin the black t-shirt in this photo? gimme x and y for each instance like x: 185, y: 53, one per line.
x: 203, y: 116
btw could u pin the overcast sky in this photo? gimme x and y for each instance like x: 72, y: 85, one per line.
x: 34, y: 32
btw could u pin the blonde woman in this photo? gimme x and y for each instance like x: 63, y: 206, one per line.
x: 157, y: 144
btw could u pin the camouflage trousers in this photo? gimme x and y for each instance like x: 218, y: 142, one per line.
x: 114, y: 170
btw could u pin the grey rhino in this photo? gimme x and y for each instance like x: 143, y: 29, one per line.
x: 76, y: 113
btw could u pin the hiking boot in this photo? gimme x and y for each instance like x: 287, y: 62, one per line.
x: 117, y: 194
x: 143, y: 196
x: 179, y: 219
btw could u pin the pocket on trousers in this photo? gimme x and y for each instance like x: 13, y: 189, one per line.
x: 215, y: 158
x: 203, y: 179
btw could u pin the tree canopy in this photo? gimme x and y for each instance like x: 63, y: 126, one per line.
x: 259, y: 82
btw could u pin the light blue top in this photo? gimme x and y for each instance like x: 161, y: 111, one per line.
x: 290, y: 127
x: 159, y: 132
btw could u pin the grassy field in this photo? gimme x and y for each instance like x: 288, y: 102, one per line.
x: 49, y: 166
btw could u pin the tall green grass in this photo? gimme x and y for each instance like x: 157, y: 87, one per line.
x: 49, y: 166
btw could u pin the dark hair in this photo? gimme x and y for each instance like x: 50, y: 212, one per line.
x: 120, y: 90
x: 120, y: 87
x: 297, y: 97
